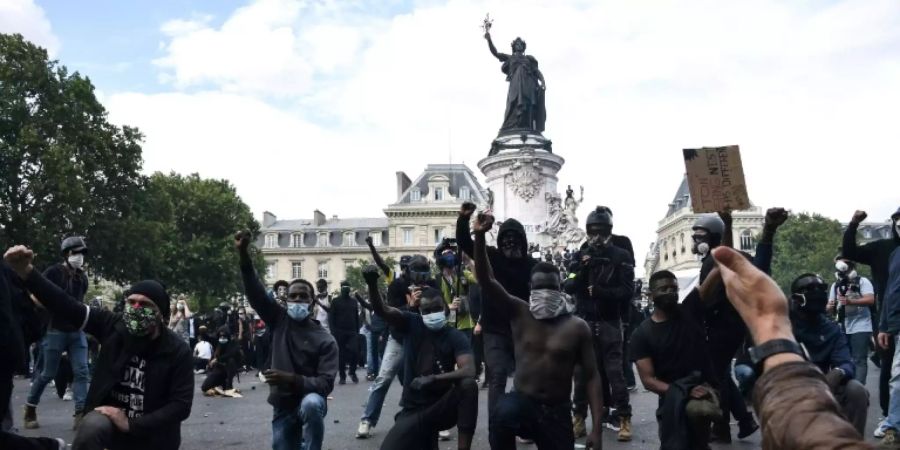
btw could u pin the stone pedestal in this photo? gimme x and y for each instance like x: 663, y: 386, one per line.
x: 521, y: 173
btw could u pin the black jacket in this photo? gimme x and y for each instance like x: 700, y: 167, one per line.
x: 344, y: 315
x: 611, y: 276
x: 674, y: 426
x: 12, y: 344
x: 305, y: 348
x: 168, y: 377
x: 73, y: 282
x: 513, y: 274
x: 875, y: 254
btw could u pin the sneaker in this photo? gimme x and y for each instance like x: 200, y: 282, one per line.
x: 444, y: 435
x: 578, y: 426
x: 210, y: 393
x: 61, y: 442
x: 364, y: 430
x: 890, y: 439
x: 233, y: 393
x: 67, y: 397
x: 624, y: 429
x: 370, y: 377
x: 632, y: 388
x: 354, y: 379
x: 524, y: 441
x: 30, y: 418
x: 262, y: 378
x: 746, y: 428
x: 219, y: 390
x: 611, y: 423
x: 881, y: 428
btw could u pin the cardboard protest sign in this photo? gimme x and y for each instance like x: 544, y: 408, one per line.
x: 716, y: 179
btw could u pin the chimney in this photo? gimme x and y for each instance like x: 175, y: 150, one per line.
x: 403, y: 183
x: 269, y: 219
x: 318, y: 218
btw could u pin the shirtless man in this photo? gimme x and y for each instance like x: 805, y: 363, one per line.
x: 549, y: 342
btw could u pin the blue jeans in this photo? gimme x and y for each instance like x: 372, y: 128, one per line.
x: 373, y: 356
x: 52, y: 346
x: 301, y: 428
x: 859, y: 351
x: 393, y: 356
x: 746, y: 378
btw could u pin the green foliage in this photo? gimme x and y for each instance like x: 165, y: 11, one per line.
x: 183, y: 235
x: 805, y: 243
x: 64, y: 169
x: 358, y: 283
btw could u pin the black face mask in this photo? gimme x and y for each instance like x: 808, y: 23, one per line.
x: 666, y: 302
x: 811, y: 302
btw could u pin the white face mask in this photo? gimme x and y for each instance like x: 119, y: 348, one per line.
x: 76, y: 261
x: 841, y: 266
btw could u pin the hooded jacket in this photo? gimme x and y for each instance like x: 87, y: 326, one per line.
x: 344, y: 315
x: 875, y: 254
x: 73, y: 282
x: 168, y: 375
x: 514, y: 274
x: 612, y: 282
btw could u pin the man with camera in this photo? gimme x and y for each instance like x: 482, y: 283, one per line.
x: 850, y: 298
x: 454, y: 285
x: 602, y: 281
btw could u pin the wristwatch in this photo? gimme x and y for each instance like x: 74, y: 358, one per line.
x: 759, y: 353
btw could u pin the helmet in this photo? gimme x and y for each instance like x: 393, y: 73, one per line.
x: 713, y: 225
x: 599, y: 216
x: 404, y: 260
x: 73, y: 243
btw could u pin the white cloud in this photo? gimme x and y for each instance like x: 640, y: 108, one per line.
x: 316, y: 106
x: 28, y: 19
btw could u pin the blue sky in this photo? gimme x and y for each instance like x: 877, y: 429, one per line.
x: 317, y: 103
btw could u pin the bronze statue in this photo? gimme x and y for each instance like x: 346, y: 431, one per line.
x: 525, y: 101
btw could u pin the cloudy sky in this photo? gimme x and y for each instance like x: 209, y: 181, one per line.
x: 315, y: 104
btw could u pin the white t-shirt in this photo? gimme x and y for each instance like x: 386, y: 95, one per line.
x: 203, y: 350
x: 858, y: 318
x: 321, y: 314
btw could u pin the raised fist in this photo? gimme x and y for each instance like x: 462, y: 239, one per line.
x: 483, y: 223
x: 242, y: 240
x: 467, y: 209
x: 19, y: 258
x: 370, y: 274
x: 369, y: 240
x: 775, y: 217
x: 858, y: 217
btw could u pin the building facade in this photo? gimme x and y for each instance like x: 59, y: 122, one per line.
x: 423, y: 213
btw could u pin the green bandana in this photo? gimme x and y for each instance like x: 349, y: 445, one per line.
x: 139, y: 321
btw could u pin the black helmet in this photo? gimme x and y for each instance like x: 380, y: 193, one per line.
x: 73, y: 243
x: 713, y: 225
x: 404, y: 260
x: 599, y: 216
x: 807, y: 279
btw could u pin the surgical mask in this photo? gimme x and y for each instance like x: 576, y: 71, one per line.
x: 435, y: 321
x: 76, y: 261
x: 223, y: 340
x: 298, y: 311
x: 841, y: 266
x: 449, y: 260
x: 549, y: 304
x: 139, y: 321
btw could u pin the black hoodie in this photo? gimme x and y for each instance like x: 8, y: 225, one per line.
x: 875, y: 254
x: 514, y: 274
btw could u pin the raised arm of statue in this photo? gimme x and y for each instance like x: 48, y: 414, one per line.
x: 501, y: 56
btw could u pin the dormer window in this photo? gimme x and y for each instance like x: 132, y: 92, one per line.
x: 322, y: 239
x: 415, y: 195
x: 464, y: 193
x: 297, y: 241
x: 349, y: 239
x: 271, y: 240
x: 376, y: 238
x: 438, y: 194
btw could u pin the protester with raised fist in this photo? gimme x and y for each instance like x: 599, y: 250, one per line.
x: 144, y: 380
x: 304, y: 358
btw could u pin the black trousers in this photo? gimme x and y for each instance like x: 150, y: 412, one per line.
x: 417, y: 429
x: 11, y: 440
x: 478, y: 351
x: 262, y: 344
x: 218, y: 376
x: 97, y: 432
x: 200, y: 363
x: 348, y: 349
x: 500, y: 362
x: 732, y: 401
x: 607, y: 340
x: 549, y: 426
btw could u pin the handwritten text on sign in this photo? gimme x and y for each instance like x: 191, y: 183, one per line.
x: 716, y: 179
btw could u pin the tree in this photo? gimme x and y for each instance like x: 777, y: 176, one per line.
x: 183, y: 233
x: 805, y: 243
x: 64, y: 169
x: 356, y: 280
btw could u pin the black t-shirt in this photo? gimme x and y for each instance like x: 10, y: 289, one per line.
x: 677, y: 346
x: 128, y: 393
x: 427, y: 352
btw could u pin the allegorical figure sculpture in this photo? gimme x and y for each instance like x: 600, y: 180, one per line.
x: 525, y: 101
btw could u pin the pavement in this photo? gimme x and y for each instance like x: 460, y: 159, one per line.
x: 244, y: 423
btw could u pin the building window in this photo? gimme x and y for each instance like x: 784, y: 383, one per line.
x: 297, y: 240
x: 322, y: 240
x: 296, y: 270
x: 270, y: 270
x: 271, y: 241
x: 438, y: 235
x: 415, y: 195
x: 407, y: 235
x: 746, y: 240
x: 438, y: 194
x: 376, y: 238
x: 464, y: 194
x: 323, y: 270
x: 349, y: 239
